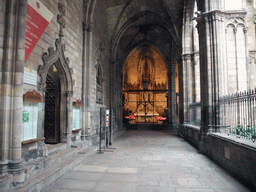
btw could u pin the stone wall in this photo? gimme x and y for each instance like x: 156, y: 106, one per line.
x: 73, y: 39
x: 251, y: 21
x: 237, y: 156
x: 75, y: 50
x: 100, y: 39
x: 190, y: 133
x: 2, y: 23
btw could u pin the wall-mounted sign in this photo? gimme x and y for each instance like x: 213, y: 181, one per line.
x: 78, y: 103
x: 32, y: 96
x: 77, y: 114
x: 30, y: 76
x: 38, y: 18
x: 29, y: 121
x: 30, y: 115
x: 77, y: 124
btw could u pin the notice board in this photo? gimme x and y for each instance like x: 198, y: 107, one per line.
x: 29, y: 121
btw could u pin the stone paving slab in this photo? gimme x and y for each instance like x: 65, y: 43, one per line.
x: 148, y: 161
x: 91, y: 168
x: 115, y: 186
x: 122, y: 170
x: 81, y: 175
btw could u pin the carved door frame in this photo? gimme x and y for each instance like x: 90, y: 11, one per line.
x: 61, y: 63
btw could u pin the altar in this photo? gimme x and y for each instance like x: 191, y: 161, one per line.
x: 142, y: 117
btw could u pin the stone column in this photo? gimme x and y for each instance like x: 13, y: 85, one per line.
x: 5, y: 98
x: 215, y: 61
x: 15, y: 163
x: 203, y: 54
x: 214, y: 20
x: 185, y: 64
x: 88, y: 32
x: 69, y: 116
x: 189, y: 91
x: 169, y: 101
x: 84, y: 127
x: 193, y: 74
x: 247, y: 57
x: 193, y: 88
x: 181, y: 92
x: 111, y: 96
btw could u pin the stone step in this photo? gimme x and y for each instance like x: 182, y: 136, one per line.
x: 56, y: 154
x: 5, y: 182
x: 47, y: 177
x: 86, y: 150
x: 39, y: 165
x: 55, y: 148
x: 80, y: 144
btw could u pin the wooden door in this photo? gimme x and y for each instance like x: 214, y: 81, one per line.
x: 52, y: 110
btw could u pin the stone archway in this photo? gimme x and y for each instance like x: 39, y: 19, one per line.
x: 145, y: 27
x: 56, y: 59
x: 145, y: 86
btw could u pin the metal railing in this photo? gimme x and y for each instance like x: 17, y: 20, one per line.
x: 237, y: 115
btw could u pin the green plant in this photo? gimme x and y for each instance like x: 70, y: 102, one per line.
x: 248, y: 132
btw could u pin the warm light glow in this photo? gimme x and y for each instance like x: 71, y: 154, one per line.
x: 145, y: 84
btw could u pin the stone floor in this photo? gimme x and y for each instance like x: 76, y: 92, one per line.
x: 148, y: 161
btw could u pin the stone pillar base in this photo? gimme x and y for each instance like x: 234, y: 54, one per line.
x: 67, y: 139
x: 15, y: 168
x: 3, y: 168
x: 202, y: 147
x: 19, y: 179
x: 43, y: 150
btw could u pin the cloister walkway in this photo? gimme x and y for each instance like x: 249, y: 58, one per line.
x: 148, y: 161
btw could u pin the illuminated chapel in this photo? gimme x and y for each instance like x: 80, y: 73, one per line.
x: 75, y: 75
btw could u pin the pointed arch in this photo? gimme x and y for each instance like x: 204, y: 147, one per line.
x: 62, y: 64
x: 57, y: 58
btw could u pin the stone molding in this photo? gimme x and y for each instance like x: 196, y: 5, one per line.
x: 252, y: 56
x: 188, y: 56
x: 61, y: 20
x: 88, y: 26
x: 235, y: 18
x: 55, y: 56
x: 68, y: 93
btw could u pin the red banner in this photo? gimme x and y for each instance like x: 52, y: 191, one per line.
x: 38, y: 18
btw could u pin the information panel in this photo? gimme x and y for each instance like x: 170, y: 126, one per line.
x: 30, y: 76
x: 77, y: 124
x: 29, y: 121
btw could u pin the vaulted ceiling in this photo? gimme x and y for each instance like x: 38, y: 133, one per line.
x: 135, y: 22
x: 131, y: 7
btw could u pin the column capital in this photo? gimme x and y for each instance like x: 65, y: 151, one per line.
x: 235, y: 30
x: 215, y: 15
x: 187, y: 56
x: 245, y: 29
